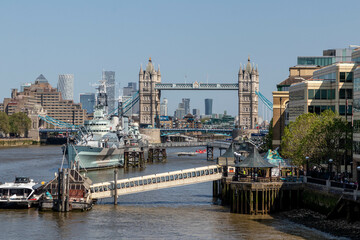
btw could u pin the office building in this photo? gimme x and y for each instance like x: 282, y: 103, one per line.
x: 66, y: 86
x: 24, y: 85
x: 208, y: 106
x: 109, y: 78
x: 330, y: 88
x: 196, y: 113
x: 127, y: 95
x: 88, y: 101
x: 297, y: 74
x: 329, y: 57
x: 42, y: 94
x: 186, y: 102
x: 164, y: 107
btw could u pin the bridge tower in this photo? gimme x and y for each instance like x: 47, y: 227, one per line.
x: 248, y: 79
x: 149, y: 102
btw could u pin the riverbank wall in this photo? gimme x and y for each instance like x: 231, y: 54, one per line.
x: 271, y: 197
x: 14, y: 142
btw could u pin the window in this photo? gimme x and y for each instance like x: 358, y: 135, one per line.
x: 349, y: 77
x: 345, y: 94
x: 342, y: 109
x: 342, y: 77
x: 324, y: 94
x: 311, y: 94
x: 331, y: 93
x: 317, y: 94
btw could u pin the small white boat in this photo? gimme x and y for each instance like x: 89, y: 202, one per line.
x: 19, y: 194
x: 186, y: 153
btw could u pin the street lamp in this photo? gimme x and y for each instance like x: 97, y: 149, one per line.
x: 330, y: 168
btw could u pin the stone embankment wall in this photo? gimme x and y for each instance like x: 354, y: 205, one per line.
x: 13, y: 142
x: 151, y: 134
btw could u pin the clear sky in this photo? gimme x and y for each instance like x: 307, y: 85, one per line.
x: 203, y: 40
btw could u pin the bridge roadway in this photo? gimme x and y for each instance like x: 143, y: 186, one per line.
x: 223, y: 145
x: 155, y: 181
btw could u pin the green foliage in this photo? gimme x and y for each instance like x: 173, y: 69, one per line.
x: 4, y: 123
x: 20, y: 123
x: 319, y: 137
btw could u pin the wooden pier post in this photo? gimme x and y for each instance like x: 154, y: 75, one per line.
x: 256, y: 201
x: 246, y: 202
x: 126, y: 160
x: 263, y: 201
x: 115, y: 185
x: 251, y: 202
x: 242, y: 201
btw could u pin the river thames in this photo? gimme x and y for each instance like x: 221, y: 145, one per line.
x: 186, y: 212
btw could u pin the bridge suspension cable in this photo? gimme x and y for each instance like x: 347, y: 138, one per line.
x: 56, y: 122
x: 266, y: 106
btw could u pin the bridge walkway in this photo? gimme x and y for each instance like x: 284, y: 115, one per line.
x: 223, y: 145
x: 155, y: 181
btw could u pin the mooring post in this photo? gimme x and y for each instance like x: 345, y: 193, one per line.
x: 126, y: 160
x: 67, y: 206
x: 59, y: 196
x: 115, y: 185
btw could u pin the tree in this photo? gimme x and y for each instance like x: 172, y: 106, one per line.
x: 332, y: 140
x: 4, y: 123
x: 318, y: 137
x: 294, y: 144
x: 20, y: 124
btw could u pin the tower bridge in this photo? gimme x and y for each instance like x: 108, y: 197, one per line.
x: 247, y: 86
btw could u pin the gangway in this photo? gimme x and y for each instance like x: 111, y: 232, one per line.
x: 156, y: 181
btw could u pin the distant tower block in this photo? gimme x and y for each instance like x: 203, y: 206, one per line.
x: 109, y: 78
x: 149, y: 107
x: 66, y: 86
x: 248, y: 100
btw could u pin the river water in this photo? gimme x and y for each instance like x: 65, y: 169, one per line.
x: 186, y: 212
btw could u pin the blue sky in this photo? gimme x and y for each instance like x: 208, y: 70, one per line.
x: 186, y: 38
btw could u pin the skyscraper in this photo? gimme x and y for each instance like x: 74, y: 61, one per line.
x: 186, y: 102
x: 109, y: 78
x: 164, y: 107
x: 196, y: 112
x: 87, y: 101
x: 208, y: 106
x: 66, y: 86
x: 128, y: 92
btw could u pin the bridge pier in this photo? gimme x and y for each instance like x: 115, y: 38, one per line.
x: 115, y: 185
x: 157, y: 154
x: 259, y: 198
x: 210, y: 153
x: 134, y: 159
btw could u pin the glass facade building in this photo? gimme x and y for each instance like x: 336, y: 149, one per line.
x: 318, y: 61
x: 87, y: 101
x: 66, y: 86
x: 329, y: 57
x: 208, y: 106
x: 109, y: 78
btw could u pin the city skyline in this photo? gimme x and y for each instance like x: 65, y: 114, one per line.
x: 189, y: 51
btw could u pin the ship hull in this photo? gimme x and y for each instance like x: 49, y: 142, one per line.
x: 91, y: 158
